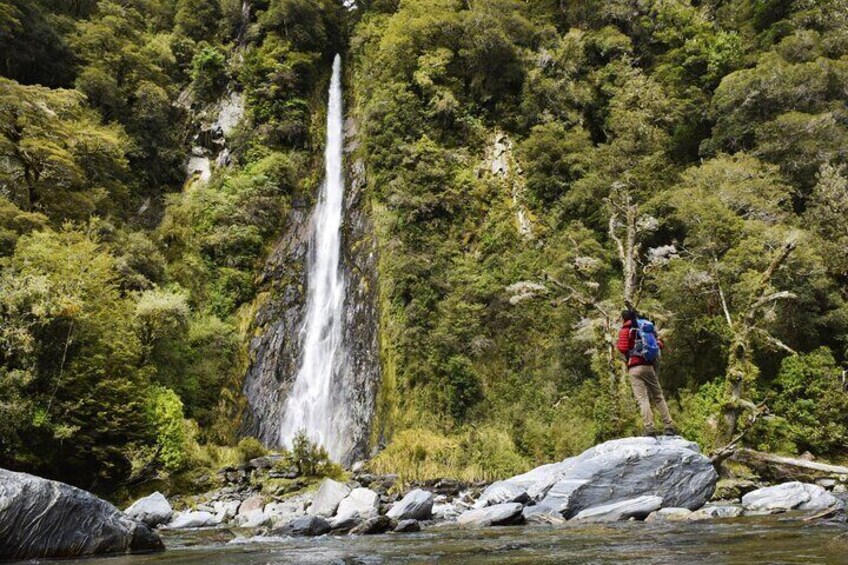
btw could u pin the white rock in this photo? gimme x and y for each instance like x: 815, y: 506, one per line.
x: 328, y: 497
x: 287, y: 510
x: 253, y: 519
x: 251, y: 504
x: 153, y: 510
x: 638, y: 508
x: 362, y: 501
x: 497, y: 515
x: 225, y: 510
x: 789, y: 496
x: 446, y: 512
x: 416, y: 505
x: 193, y: 519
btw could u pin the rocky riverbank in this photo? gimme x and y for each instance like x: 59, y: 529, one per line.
x: 665, y: 479
x: 657, y: 480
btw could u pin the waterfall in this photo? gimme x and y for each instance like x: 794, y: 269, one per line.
x: 313, y: 404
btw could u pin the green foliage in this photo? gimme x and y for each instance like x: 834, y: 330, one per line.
x: 208, y: 72
x: 309, y: 459
x: 165, y: 414
x: 811, y: 397
x: 250, y: 448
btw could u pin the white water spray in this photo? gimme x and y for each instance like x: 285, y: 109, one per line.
x: 312, y: 403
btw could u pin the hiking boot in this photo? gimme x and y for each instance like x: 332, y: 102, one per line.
x: 670, y: 431
x: 649, y: 432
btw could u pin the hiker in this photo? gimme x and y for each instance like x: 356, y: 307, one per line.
x: 638, y: 341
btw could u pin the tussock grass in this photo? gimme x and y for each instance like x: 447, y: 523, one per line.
x: 484, y: 454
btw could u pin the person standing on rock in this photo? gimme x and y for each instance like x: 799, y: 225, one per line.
x: 638, y: 342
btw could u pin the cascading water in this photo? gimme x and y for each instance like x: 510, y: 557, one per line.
x: 313, y: 403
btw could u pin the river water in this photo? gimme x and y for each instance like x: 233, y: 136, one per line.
x: 772, y: 539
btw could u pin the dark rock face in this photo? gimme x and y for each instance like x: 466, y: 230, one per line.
x: 47, y: 519
x: 304, y: 526
x: 408, y: 526
x: 276, y: 350
x: 376, y: 525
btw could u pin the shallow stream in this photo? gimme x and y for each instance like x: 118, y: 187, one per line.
x: 772, y: 539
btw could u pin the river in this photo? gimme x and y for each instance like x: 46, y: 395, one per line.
x: 771, y: 539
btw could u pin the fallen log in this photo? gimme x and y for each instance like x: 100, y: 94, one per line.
x: 778, y: 468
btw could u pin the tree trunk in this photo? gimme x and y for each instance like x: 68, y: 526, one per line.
x: 779, y: 468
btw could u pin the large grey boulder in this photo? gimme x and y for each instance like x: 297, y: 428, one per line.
x: 328, y: 497
x: 789, y: 496
x: 629, y: 468
x: 153, y: 510
x: 500, y: 492
x: 362, y: 502
x: 415, y: 505
x: 497, y: 515
x: 638, y: 508
x: 40, y: 518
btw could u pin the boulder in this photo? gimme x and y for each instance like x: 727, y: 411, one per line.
x: 789, y: 496
x: 48, y: 519
x: 415, y: 505
x: 407, y: 526
x: 361, y: 501
x: 375, y: 525
x: 328, y: 497
x: 303, y: 526
x: 500, y: 492
x: 630, y: 468
x: 251, y: 504
x: 638, y: 508
x: 670, y: 514
x: 153, y: 510
x: 193, y: 519
x: 497, y: 515
x: 254, y: 519
x: 225, y: 510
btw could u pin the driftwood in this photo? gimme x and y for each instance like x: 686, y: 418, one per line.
x: 779, y: 468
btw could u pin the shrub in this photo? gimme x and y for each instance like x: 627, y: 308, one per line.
x: 208, y: 72
x: 250, y: 448
x: 812, y: 399
x: 310, y: 459
x: 165, y: 415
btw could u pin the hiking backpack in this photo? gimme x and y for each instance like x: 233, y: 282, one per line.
x: 645, y: 344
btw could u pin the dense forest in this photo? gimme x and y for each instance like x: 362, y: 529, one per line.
x: 531, y: 165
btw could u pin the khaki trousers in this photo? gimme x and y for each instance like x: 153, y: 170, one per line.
x: 646, y: 389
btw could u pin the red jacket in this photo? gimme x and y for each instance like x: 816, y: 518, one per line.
x: 627, y: 341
